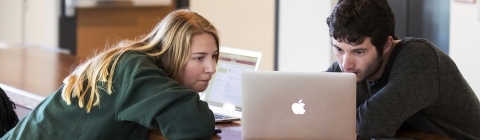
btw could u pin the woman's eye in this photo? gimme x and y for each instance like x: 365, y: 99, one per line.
x: 199, y: 58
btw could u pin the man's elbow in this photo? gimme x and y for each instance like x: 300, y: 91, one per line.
x: 369, y: 132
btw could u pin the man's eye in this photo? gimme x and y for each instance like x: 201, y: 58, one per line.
x: 338, y: 49
x: 359, y: 52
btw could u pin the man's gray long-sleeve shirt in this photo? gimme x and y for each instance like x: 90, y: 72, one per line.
x: 420, y: 89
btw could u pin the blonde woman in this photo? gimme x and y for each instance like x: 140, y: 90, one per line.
x: 123, y: 92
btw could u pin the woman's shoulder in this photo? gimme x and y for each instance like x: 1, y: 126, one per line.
x: 133, y: 60
x: 133, y: 54
x: 135, y: 57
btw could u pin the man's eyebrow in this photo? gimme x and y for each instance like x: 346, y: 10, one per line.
x: 356, y: 49
x: 360, y: 49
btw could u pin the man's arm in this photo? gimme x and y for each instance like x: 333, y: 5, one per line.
x: 412, y: 86
x: 334, y: 68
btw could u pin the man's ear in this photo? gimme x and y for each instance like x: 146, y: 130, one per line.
x: 388, y: 45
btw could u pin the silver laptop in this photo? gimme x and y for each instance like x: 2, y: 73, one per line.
x: 223, y: 93
x: 298, y: 105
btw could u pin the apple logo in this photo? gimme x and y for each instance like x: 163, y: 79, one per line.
x: 297, y: 108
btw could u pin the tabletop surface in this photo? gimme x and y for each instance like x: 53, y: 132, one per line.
x: 33, y: 69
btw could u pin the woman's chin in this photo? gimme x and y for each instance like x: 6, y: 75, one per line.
x: 200, y: 88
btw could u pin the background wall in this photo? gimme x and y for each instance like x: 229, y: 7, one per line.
x: 245, y: 24
x: 464, y: 36
x: 303, y: 38
x: 104, y: 26
x: 11, y: 21
x: 41, y: 22
x: 29, y: 22
x: 429, y: 19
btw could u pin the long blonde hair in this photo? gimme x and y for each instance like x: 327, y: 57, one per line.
x: 169, y: 43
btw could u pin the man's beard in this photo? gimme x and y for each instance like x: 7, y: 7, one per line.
x: 372, y: 68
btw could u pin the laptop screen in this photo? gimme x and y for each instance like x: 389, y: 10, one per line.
x: 224, y: 88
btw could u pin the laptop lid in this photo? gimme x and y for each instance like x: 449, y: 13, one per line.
x: 298, y: 105
x: 223, y: 92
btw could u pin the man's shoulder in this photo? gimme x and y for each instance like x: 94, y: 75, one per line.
x: 334, y: 68
x: 413, y: 43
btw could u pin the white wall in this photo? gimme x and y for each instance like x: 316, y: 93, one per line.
x: 11, y: 21
x: 304, y: 41
x: 464, y: 41
x: 41, y: 22
x: 245, y: 24
x: 31, y: 22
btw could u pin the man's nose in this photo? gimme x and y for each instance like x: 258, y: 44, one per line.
x: 348, y: 63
